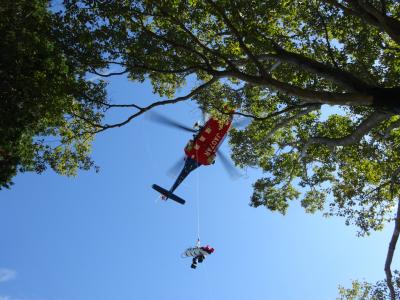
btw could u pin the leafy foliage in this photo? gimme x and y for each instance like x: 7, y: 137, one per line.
x: 280, y: 63
x: 43, y: 94
x: 367, y: 291
x: 277, y: 62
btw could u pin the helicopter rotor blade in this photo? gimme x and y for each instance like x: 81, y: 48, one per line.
x: 204, y: 116
x: 169, y: 122
x: 228, y: 166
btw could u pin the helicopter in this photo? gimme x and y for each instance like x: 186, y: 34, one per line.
x: 199, y: 151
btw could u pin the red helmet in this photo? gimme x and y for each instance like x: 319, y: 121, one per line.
x: 208, y: 249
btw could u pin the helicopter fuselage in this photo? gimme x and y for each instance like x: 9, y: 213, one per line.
x: 201, y: 150
x: 206, y: 142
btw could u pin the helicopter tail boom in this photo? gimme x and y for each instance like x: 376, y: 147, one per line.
x: 168, y: 194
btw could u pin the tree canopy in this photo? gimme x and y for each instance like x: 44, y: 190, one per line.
x: 367, y: 291
x: 43, y: 96
x: 278, y: 62
x: 282, y: 64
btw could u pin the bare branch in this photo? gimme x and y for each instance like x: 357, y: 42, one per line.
x: 132, y: 105
x: 112, y: 62
x: 159, y: 103
x: 109, y: 74
x: 130, y: 67
x: 108, y: 105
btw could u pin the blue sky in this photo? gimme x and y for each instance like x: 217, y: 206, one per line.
x: 107, y: 236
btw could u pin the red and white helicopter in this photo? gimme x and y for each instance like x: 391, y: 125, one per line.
x: 200, y: 151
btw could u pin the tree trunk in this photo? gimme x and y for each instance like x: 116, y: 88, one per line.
x: 387, y: 99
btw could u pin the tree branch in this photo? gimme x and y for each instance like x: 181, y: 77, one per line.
x: 341, y: 77
x: 348, y: 11
x: 130, y: 67
x: 196, y: 40
x: 366, y: 125
x: 309, y: 106
x: 391, y: 249
x: 308, y: 96
x: 142, y: 110
x: 370, y: 15
x: 285, y: 122
x: 330, y: 52
x: 392, y: 126
x: 337, y: 75
x: 277, y: 113
x: 238, y: 37
x: 383, y: 6
x: 108, y: 74
x: 108, y: 106
x: 177, y: 45
x: 390, y: 25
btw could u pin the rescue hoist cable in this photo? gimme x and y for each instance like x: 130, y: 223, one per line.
x: 198, y: 204
x: 198, y: 244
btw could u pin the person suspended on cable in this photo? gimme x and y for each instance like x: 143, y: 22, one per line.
x: 198, y: 253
